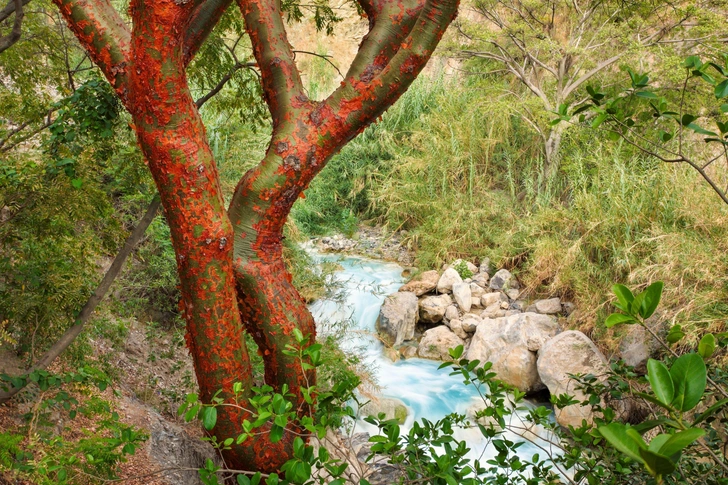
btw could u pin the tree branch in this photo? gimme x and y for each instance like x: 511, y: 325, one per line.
x: 280, y: 76
x: 10, y: 8
x: 204, y: 19
x: 104, y: 35
x: 14, y: 35
x: 85, y: 314
x: 223, y: 81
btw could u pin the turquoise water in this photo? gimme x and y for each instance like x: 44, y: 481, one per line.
x: 427, y: 392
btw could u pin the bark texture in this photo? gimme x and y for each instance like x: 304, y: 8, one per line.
x: 230, y: 260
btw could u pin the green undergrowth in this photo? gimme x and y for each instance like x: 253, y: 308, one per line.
x: 460, y: 171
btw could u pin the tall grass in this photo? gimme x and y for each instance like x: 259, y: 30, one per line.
x: 461, y: 172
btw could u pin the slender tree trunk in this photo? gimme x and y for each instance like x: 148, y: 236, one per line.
x: 552, y: 147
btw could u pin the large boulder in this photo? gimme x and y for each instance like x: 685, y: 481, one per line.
x: 570, y: 352
x: 511, y: 343
x: 397, y: 317
x: 503, y: 280
x: 436, y: 342
x: 433, y: 308
x: 424, y: 283
x: 449, y: 277
x: 462, y: 294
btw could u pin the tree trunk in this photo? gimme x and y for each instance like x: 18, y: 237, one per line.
x: 552, y: 147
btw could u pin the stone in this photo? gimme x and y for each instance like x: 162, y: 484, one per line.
x: 436, y: 343
x: 461, y: 293
x: 391, y: 353
x: 397, y: 317
x: 504, y: 305
x: 476, y: 291
x: 636, y: 347
x: 422, y: 284
x: 451, y: 313
x: 489, y: 299
x: 568, y: 307
x: 551, y: 306
x: 570, y: 352
x: 513, y: 294
x: 485, y: 266
x: 449, y: 277
x: 432, y: 308
x: 392, y: 408
x: 481, y: 279
x: 503, y: 280
x: 456, y: 325
x: 511, y: 343
x: 493, y: 311
x: 475, y: 303
x: 519, y: 305
x: 470, y: 322
x: 408, y: 351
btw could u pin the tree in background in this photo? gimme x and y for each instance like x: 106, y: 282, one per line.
x: 553, y: 48
x: 230, y: 264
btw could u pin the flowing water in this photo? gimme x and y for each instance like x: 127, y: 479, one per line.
x: 426, y: 391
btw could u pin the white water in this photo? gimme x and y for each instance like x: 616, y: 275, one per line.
x: 428, y: 392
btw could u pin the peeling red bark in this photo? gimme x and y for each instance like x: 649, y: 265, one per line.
x: 230, y: 262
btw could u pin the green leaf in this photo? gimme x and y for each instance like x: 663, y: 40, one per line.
x: 721, y: 90
x: 618, y: 319
x: 687, y: 119
x: 661, y: 381
x: 77, y: 183
x: 616, y: 434
x: 599, y: 120
x: 680, y: 440
x: 692, y: 62
x: 675, y: 334
x: 689, y: 377
x: 656, y: 464
x: 653, y: 293
x: 209, y: 417
x: 276, y: 433
x: 624, y: 295
x: 645, y: 94
x: 706, y: 347
x: 665, y: 136
x: 698, y: 129
x: 724, y: 107
x: 710, y: 411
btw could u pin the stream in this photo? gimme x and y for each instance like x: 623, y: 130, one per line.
x: 426, y: 391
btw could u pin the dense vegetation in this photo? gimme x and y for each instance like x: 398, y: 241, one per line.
x: 458, y: 166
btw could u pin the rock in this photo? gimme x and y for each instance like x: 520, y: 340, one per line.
x: 456, y: 325
x: 568, y: 307
x: 503, y: 280
x: 476, y: 291
x: 432, y: 308
x: 471, y: 267
x: 493, y: 311
x: 397, y: 317
x: 489, y: 299
x: 475, y: 303
x: 551, y: 306
x: 508, y: 313
x: 451, y: 313
x: 504, y: 305
x: 485, y: 266
x: 408, y: 351
x: 513, y: 294
x: 519, y: 305
x: 461, y: 293
x: 636, y: 347
x: 510, y: 343
x: 570, y: 352
x: 448, y: 278
x: 436, y: 342
x: 471, y: 322
x: 424, y: 283
x: 481, y: 279
x: 391, y: 353
x: 392, y: 408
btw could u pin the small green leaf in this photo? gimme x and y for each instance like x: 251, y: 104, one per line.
x: 618, y: 319
x: 721, y: 90
x: 645, y: 94
x: 653, y: 293
x: 689, y: 377
x: 661, y: 381
x: 692, y: 62
x: 599, y: 120
x: 209, y: 417
x: 706, y: 347
x: 624, y: 295
x: 687, y: 119
x: 680, y: 441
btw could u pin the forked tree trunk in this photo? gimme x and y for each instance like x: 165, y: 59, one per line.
x: 230, y: 264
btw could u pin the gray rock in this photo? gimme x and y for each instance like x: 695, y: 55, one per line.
x: 424, y: 283
x: 636, y: 347
x: 471, y: 322
x: 476, y: 291
x: 551, y: 306
x: 513, y: 294
x: 448, y: 278
x: 493, y: 311
x: 461, y: 293
x: 481, y: 279
x: 519, y: 305
x: 570, y: 352
x: 436, y: 342
x: 456, y: 325
x: 432, y: 308
x: 510, y: 343
x: 489, y: 299
x: 485, y: 266
x: 503, y: 280
x: 568, y: 307
x: 451, y: 313
x: 397, y: 317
